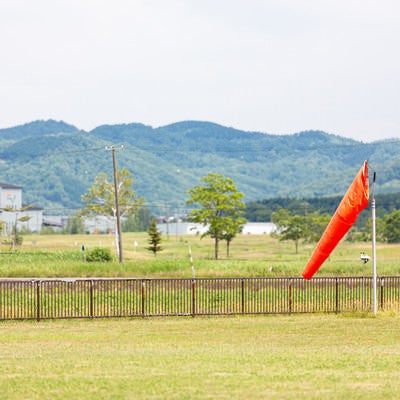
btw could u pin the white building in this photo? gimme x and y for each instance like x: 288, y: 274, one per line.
x: 259, y: 228
x: 187, y: 228
x: 100, y: 223
x: 181, y: 228
x: 96, y: 224
x: 10, y: 210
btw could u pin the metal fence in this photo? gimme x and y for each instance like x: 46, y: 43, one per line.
x: 97, y: 298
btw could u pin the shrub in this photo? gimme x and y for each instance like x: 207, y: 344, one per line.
x: 99, y: 254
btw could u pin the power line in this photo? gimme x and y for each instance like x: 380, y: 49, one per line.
x: 274, y: 148
x: 278, y: 148
x: 79, y: 151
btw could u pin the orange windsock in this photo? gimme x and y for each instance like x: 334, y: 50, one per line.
x: 353, y: 202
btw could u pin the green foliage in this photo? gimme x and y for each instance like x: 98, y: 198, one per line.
x: 281, y: 217
x: 365, y: 233
x: 17, y: 237
x: 231, y: 229
x: 99, y: 254
x: 15, y: 240
x: 295, y: 227
x: 48, y: 230
x: 221, y: 208
x: 138, y: 221
x: 391, y: 227
x: 155, y: 238
x: 75, y: 225
x: 262, y: 210
x: 100, y: 198
x: 316, y: 225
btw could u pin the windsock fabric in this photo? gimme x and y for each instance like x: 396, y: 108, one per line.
x: 353, y: 202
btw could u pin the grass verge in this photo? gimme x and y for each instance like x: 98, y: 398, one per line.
x: 251, y: 256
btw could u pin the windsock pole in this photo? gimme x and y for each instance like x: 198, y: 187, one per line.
x: 374, y: 277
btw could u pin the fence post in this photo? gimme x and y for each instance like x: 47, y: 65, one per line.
x: 382, y: 286
x: 91, y: 300
x: 38, y: 305
x: 290, y: 296
x: 143, y: 297
x: 193, y: 285
x: 337, y: 295
x: 242, y: 295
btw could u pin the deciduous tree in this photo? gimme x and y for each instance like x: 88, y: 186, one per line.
x: 291, y: 227
x: 100, y: 198
x: 221, y: 208
x: 16, y: 237
x: 391, y: 227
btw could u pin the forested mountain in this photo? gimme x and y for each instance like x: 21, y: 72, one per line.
x: 36, y: 128
x: 56, y: 162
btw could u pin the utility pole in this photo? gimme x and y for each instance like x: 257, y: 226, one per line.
x: 116, y: 189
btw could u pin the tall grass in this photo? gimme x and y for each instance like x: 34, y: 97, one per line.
x: 251, y: 255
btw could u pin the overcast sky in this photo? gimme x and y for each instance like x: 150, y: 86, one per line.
x: 259, y: 65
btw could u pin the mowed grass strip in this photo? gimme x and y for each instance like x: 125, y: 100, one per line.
x: 247, y: 357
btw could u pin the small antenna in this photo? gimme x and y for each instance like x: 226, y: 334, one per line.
x: 373, y: 185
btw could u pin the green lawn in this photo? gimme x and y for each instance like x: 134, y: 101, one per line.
x: 264, y: 357
x: 246, y: 357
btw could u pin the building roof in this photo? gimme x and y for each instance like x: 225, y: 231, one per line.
x: 8, y: 186
x: 32, y: 208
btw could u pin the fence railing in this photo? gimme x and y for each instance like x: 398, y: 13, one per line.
x: 94, y: 298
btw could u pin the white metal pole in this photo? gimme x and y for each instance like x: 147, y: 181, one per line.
x: 374, y: 277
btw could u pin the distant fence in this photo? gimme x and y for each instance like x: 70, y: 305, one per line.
x: 98, y: 298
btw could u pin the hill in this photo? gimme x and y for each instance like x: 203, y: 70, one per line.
x: 36, y: 128
x: 56, y: 162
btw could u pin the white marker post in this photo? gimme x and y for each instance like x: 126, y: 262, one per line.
x: 191, y: 263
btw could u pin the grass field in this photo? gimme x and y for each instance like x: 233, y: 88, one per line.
x: 251, y: 255
x: 264, y: 357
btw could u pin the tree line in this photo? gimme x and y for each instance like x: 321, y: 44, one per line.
x: 262, y: 210
x: 220, y: 206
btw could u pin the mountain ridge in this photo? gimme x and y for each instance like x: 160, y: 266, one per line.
x: 56, y: 162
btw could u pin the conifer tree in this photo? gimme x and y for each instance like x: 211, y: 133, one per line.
x: 154, y: 238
